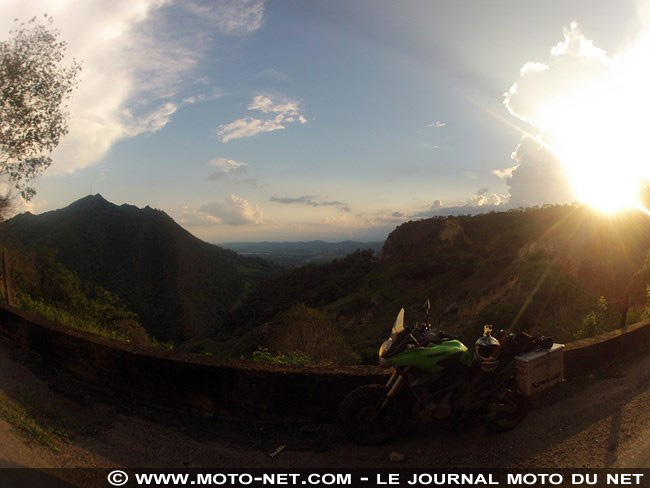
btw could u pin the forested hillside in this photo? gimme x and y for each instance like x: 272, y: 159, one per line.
x: 563, y: 271
x: 537, y: 268
x: 179, y: 286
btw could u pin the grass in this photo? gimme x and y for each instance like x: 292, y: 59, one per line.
x: 42, y: 425
x: 28, y: 425
x: 58, y: 315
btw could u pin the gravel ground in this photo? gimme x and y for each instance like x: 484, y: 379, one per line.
x: 602, y: 420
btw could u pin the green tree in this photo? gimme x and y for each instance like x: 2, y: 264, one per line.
x: 47, y: 288
x: 34, y: 87
x: 595, y: 322
x: 303, y: 331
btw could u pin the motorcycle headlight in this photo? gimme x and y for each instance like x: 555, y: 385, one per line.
x: 385, y: 347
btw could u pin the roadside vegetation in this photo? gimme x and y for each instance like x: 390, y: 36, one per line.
x: 27, y: 425
x: 304, y: 335
x: 44, y: 287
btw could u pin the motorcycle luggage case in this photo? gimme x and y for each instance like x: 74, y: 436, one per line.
x: 539, y: 370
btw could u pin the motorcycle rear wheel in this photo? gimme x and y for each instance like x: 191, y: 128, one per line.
x: 505, y: 421
x: 362, y: 418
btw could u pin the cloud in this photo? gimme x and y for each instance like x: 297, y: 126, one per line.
x: 305, y: 199
x: 233, y: 211
x: 246, y: 127
x: 312, y: 201
x: 273, y: 74
x: 490, y: 199
x: 539, y: 176
x: 214, y: 94
x: 136, y: 58
x: 483, y: 197
x: 151, y: 122
x: 225, y: 167
x: 280, y: 112
x: 195, y: 218
x: 230, y: 16
x: 480, y: 202
x: 543, y: 90
x: 504, y: 173
x: 250, y: 181
x: 547, y: 96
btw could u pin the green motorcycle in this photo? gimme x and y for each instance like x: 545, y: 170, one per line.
x: 446, y: 383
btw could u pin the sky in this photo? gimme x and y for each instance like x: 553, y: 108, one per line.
x: 248, y: 120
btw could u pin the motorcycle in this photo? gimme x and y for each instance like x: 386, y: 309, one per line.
x: 446, y: 382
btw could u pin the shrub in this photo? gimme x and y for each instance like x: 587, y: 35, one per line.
x: 43, y: 286
x: 305, y: 330
x: 294, y: 358
x: 597, y: 321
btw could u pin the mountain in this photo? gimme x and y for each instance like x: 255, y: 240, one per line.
x: 294, y: 254
x: 180, y: 286
x: 536, y: 268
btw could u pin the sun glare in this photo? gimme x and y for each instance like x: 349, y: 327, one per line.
x: 604, y: 161
x: 599, y: 132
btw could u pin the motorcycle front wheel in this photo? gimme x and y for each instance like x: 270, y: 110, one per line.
x: 512, y: 409
x: 366, y: 416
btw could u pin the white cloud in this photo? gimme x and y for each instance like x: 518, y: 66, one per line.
x: 226, y: 167
x: 233, y: 211
x: 246, y: 127
x: 265, y: 104
x: 151, y: 122
x: 546, y: 95
x: 483, y: 197
x: 539, y: 177
x: 480, y: 202
x: 230, y: 16
x: 134, y: 58
x: 504, y: 173
x: 283, y: 111
x: 191, y: 217
x: 542, y: 90
x: 487, y: 199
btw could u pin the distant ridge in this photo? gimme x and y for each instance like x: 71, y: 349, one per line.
x: 180, y: 286
x: 301, y: 252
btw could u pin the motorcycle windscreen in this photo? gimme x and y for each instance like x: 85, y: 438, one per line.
x: 399, y: 323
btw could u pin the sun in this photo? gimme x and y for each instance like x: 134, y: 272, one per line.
x: 598, y: 128
x: 599, y: 135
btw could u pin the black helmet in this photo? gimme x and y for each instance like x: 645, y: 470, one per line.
x: 487, y: 349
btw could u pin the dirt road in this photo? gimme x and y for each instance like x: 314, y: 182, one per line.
x: 598, y: 421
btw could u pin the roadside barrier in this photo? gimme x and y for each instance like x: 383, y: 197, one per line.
x: 211, y: 387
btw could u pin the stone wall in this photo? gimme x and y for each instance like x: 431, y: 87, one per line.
x: 210, y: 387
